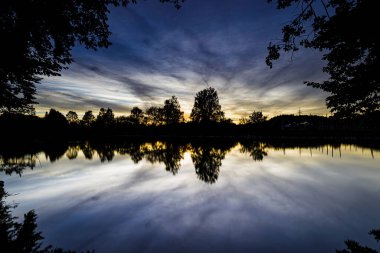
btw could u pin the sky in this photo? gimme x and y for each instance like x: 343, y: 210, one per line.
x: 158, y: 51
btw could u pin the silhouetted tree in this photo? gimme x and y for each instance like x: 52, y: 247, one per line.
x: 72, y: 117
x: 37, y: 38
x: 206, y: 107
x: 254, y: 118
x: 105, y: 117
x: 343, y: 30
x: 137, y: 115
x: 355, y: 247
x: 257, y: 117
x: 172, y: 111
x: 55, y: 119
x: 88, y: 119
x: 28, y: 239
x: 155, y: 115
x: 124, y: 120
x: 20, y: 237
x: 243, y: 120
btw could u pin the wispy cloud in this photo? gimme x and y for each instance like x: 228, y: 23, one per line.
x: 158, y: 52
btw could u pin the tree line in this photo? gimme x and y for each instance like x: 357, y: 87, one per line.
x: 206, y: 109
x: 206, y: 119
x: 42, y: 34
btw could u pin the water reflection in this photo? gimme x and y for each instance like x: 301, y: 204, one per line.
x: 206, y: 157
x: 256, y: 150
x: 55, y: 151
x: 226, y: 196
x: 16, y: 164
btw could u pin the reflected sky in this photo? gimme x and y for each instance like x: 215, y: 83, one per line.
x: 293, y: 200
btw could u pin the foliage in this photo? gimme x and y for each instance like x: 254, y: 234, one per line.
x: 169, y: 114
x: 257, y: 117
x: 54, y: 117
x: 137, y: 115
x: 155, y: 115
x: 20, y: 237
x: 105, y: 117
x: 124, y: 121
x: 172, y: 111
x: 88, y: 119
x: 355, y: 247
x: 254, y: 118
x: 168, y: 153
x: 243, y: 121
x: 207, y: 159
x: 18, y: 127
x: 344, y: 31
x: 206, y: 107
x: 72, y: 117
x: 17, y: 164
x: 256, y: 150
x: 37, y: 38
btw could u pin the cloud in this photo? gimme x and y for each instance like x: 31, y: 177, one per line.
x: 158, y: 52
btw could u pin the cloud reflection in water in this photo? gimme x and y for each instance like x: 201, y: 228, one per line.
x: 291, y: 200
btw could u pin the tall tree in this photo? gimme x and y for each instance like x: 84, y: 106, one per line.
x: 72, y: 117
x: 105, y: 117
x: 56, y: 118
x: 155, y: 115
x: 206, y: 107
x: 137, y: 115
x: 344, y: 30
x: 24, y: 236
x: 36, y: 40
x: 88, y: 118
x: 253, y: 118
x: 172, y: 111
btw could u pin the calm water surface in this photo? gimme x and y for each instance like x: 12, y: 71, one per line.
x: 160, y: 197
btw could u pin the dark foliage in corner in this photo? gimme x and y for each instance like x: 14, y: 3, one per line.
x: 20, y: 237
x: 344, y: 31
x: 37, y: 38
x: 355, y: 247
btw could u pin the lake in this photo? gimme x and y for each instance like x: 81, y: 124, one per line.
x: 224, y: 196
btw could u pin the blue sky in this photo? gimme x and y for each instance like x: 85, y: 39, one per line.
x: 158, y: 51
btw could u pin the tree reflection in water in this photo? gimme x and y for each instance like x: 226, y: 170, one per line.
x: 206, y: 156
x: 87, y: 150
x: 55, y: 151
x: 72, y: 152
x: 256, y: 150
x: 17, y: 164
x: 134, y: 150
x: 105, y: 152
x: 207, y: 161
x: 169, y: 154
